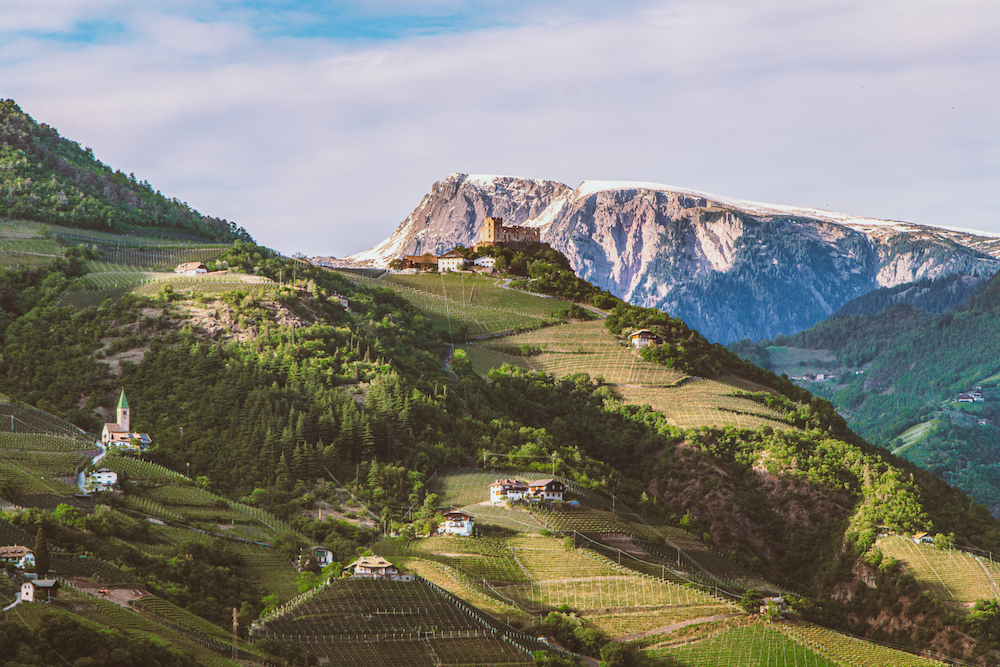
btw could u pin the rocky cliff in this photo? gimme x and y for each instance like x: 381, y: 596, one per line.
x: 731, y: 269
x: 453, y: 211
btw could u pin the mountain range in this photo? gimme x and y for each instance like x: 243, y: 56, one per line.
x: 731, y: 269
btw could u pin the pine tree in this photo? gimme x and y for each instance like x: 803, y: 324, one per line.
x: 41, y: 552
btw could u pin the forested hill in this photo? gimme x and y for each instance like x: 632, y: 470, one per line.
x: 47, y: 178
x: 898, y: 377
x: 930, y: 296
x: 275, y: 394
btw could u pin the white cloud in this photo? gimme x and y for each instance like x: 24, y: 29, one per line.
x: 872, y: 108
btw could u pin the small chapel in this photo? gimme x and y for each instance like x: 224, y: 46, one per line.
x: 118, y: 433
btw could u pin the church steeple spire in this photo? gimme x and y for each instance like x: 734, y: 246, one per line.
x: 123, y: 412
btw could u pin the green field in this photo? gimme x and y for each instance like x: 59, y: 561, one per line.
x: 950, y: 575
x: 915, y: 434
x: 753, y: 645
x: 467, y: 304
x: 579, y: 347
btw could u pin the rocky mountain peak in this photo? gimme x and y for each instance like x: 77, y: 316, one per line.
x: 730, y: 268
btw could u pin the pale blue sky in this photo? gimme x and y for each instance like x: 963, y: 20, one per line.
x: 320, y: 125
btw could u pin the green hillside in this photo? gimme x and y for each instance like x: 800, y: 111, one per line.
x: 296, y: 421
x: 47, y: 178
x: 898, y: 376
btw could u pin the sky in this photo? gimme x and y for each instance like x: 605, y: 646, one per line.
x: 318, y: 126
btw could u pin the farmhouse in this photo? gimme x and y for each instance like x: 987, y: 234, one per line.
x: 546, y: 489
x: 39, y: 590
x: 457, y: 522
x: 376, y: 567
x: 486, y: 262
x: 507, y: 489
x: 102, y: 479
x: 494, y: 233
x: 923, y: 538
x: 22, y: 556
x: 644, y: 337
x: 118, y: 434
x: 191, y: 268
x: 451, y: 261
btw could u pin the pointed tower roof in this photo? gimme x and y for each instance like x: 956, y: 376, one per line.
x: 122, y: 402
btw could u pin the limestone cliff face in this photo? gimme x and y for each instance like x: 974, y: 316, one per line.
x: 731, y: 269
x: 453, y: 211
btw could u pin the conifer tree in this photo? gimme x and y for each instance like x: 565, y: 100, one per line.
x: 41, y: 552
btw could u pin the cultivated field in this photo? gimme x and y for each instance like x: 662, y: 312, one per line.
x: 950, y: 575
x: 467, y: 305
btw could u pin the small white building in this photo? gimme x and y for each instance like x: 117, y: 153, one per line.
x: 39, y: 590
x: 457, y: 522
x: 103, y: 477
x: 322, y: 555
x: 644, y: 337
x: 486, y: 262
x: 451, y: 261
x: 923, y: 538
x: 546, y: 489
x: 507, y: 489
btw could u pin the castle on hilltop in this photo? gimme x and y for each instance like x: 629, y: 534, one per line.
x: 494, y: 233
x: 117, y: 433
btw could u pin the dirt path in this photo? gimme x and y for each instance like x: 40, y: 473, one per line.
x: 675, y: 626
x: 120, y: 596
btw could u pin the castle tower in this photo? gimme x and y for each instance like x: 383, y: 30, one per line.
x: 492, y: 231
x: 123, y: 412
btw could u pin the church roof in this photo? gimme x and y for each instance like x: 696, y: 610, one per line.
x: 122, y: 401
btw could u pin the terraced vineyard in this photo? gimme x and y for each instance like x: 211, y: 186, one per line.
x: 849, y: 651
x: 579, y: 347
x: 753, y: 645
x: 586, y: 347
x: 950, y: 575
x: 369, y: 622
x: 467, y: 304
x: 209, y: 285
x: 114, y: 617
x: 512, y: 519
x: 26, y: 419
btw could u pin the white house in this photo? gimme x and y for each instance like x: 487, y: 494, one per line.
x: 923, y: 538
x: 22, y: 556
x: 191, y: 268
x: 451, y: 261
x: 507, y: 489
x: 39, y: 590
x: 456, y: 522
x: 373, y: 567
x: 322, y: 555
x: 546, y: 489
x: 644, y: 337
x: 486, y: 262
x: 103, y: 477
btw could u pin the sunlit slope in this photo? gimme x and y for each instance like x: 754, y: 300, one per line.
x: 952, y: 576
x: 466, y: 304
x: 587, y: 347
